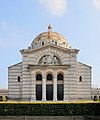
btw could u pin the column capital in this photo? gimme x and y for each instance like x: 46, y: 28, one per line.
x: 55, y: 75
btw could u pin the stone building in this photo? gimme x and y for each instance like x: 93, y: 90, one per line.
x: 95, y: 93
x: 49, y: 71
x: 3, y: 92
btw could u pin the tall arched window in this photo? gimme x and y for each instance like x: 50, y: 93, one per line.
x: 0, y: 98
x: 60, y: 77
x: 80, y: 78
x: 18, y: 78
x: 43, y: 43
x: 49, y: 77
x: 38, y: 77
x: 55, y: 43
x: 39, y: 87
x: 60, y: 86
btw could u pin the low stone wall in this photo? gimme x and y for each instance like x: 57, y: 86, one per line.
x: 49, y: 117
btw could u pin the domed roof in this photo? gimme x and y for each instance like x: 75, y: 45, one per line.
x: 49, y: 37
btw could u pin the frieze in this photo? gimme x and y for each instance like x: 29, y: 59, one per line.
x: 44, y: 67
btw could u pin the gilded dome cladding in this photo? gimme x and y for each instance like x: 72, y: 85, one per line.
x: 50, y: 37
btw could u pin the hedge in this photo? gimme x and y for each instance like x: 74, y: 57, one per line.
x: 49, y: 109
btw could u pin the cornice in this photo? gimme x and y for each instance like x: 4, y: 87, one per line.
x: 25, y: 51
x: 65, y: 66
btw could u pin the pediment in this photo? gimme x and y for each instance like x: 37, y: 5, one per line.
x: 49, y: 46
x: 48, y: 55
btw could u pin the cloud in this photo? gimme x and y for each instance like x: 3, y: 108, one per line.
x: 96, y: 3
x: 55, y: 7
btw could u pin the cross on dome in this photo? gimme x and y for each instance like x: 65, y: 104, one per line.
x: 49, y: 28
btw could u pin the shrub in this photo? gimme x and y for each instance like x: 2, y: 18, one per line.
x: 49, y: 109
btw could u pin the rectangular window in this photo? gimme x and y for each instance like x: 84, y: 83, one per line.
x: 38, y: 92
x: 60, y: 90
x: 49, y: 92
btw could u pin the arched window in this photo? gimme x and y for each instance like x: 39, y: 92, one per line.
x: 49, y: 77
x: 60, y: 77
x: 80, y: 79
x: 42, y: 43
x: 0, y: 98
x: 39, y: 77
x: 55, y: 43
x: 99, y: 98
x: 95, y: 98
x: 18, y: 78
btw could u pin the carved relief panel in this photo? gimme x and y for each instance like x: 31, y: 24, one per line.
x: 49, y: 60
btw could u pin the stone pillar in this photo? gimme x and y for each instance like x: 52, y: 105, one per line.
x: 44, y: 87
x: 33, y: 87
x: 55, y: 87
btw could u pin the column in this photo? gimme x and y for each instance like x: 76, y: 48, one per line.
x: 44, y: 87
x: 33, y: 87
x: 55, y: 87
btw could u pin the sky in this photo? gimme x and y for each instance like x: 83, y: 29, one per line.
x: 22, y: 20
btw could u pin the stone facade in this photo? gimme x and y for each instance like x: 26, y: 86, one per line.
x: 96, y: 93
x: 51, y: 57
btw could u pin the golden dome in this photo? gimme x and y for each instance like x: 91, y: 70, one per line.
x: 50, y: 37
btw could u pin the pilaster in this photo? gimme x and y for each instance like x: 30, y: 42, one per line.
x: 33, y: 87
